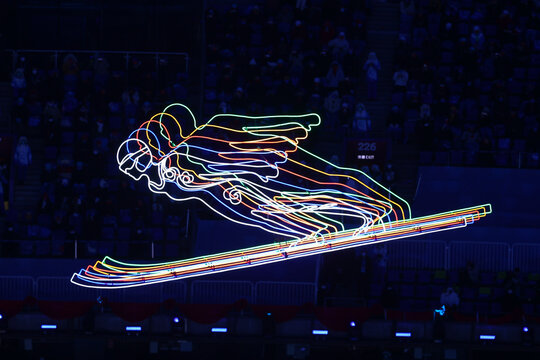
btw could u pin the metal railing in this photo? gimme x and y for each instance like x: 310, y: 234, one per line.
x: 526, y: 256
x: 16, y: 287
x: 289, y: 293
x: 487, y: 256
x: 226, y: 292
x: 419, y: 254
x: 132, y: 68
x: 200, y: 291
x: 158, y: 57
x: 500, y: 158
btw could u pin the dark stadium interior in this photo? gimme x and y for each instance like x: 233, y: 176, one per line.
x: 437, y: 100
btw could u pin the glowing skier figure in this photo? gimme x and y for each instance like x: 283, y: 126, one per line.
x: 251, y: 170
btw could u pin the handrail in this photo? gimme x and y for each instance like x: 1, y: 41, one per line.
x: 229, y: 282
x: 99, y: 51
x: 447, y: 254
x: 513, y: 254
x: 311, y: 284
x: 448, y: 161
x: 127, y: 53
x: 24, y: 277
x: 188, y: 290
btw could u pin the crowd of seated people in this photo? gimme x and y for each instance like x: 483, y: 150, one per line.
x: 466, y: 81
x: 288, y: 60
x: 264, y: 59
x: 78, y: 115
x: 259, y: 61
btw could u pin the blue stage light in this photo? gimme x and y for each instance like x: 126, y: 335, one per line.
x: 487, y: 337
x: 47, y: 326
x: 525, y: 329
x: 219, y: 330
x: 176, y: 319
x: 133, y: 328
x: 403, y: 334
x: 320, y: 332
x: 352, y: 324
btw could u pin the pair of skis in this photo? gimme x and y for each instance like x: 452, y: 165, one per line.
x: 113, y: 274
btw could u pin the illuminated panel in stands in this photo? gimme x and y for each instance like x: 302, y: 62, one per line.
x: 487, y: 337
x: 252, y: 171
x: 403, y: 334
x: 219, y: 330
x: 319, y: 332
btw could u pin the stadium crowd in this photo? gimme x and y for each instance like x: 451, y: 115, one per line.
x: 466, y: 80
x: 465, y: 83
x: 74, y: 112
x: 287, y: 60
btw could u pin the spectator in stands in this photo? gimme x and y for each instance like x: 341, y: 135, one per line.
x: 327, y: 32
x: 70, y: 67
x: 130, y: 99
x: 301, y: 4
x: 224, y: 108
x: 51, y: 112
x: 334, y: 75
x: 506, y: 22
x: 23, y: 158
x: 389, y: 174
x: 238, y: 101
x: 372, y: 68
x: 407, y: 7
x: 346, y: 117
x: 332, y: 105
x: 298, y: 34
x: 18, y: 83
x: 450, y: 298
x: 470, y: 141
x: 478, y: 14
x: 395, y: 122
x: 35, y: 83
x: 477, y: 39
x: 400, y: 80
x: 425, y: 113
x: 449, y: 32
x: 376, y: 173
x: 339, y: 47
x: 362, y: 121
